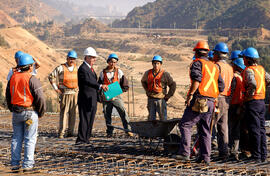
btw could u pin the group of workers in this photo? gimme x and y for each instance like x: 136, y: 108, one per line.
x: 214, y: 84
x: 237, y: 89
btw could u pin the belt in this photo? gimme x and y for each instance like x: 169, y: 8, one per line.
x: 19, y: 109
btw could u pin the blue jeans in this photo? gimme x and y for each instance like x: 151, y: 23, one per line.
x: 24, y: 133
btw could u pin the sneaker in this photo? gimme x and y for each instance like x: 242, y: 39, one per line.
x: 15, y: 169
x: 181, y: 157
x: 202, y: 161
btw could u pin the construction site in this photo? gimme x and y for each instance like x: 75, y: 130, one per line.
x: 118, y: 155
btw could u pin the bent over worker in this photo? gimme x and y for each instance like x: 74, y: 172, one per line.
x: 206, y: 83
x: 255, y: 79
x: 25, y: 100
x: 110, y: 75
x: 155, y: 82
x: 65, y: 83
x: 226, y: 71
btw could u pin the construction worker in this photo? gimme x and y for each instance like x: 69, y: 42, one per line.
x: 220, y: 55
x: 65, y: 83
x: 255, y: 80
x: 155, y: 82
x: 206, y: 83
x: 107, y: 76
x: 236, y: 105
x: 36, y: 65
x: 25, y: 100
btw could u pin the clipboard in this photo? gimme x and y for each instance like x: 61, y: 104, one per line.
x: 113, y: 91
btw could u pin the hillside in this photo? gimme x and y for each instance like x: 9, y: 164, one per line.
x: 28, y: 11
x: 20, y: 39
x: 192, y: 14
x: 6, y: 20
x: 247, y: 13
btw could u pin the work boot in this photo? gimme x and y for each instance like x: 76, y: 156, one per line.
x: 109, y: 135
x: 202, y: 161
x: 181, y: 157
x: 69, y: 134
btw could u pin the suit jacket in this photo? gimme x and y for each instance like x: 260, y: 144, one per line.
x: 88, y: 86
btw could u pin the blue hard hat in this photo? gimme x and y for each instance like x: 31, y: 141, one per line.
x: 157, y: 58
x: 241, y: 54
x: 240, y: 63
x: 112, y: 56
x: 193, y: 58
x: 18, y: 54
x: 235, y: 54
x: 221, y: 47
x: 72, y: 54
x: 210, y: 54
x: 25, y: 59
x: 251, y: 53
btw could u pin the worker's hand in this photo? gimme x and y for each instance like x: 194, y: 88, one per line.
x: 58, y: 91
x: 104, y: 87
x: 189, y: 98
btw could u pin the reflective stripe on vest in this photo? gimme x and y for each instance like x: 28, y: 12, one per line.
x: 20, y: 90
x: 154, y: 81
x: 259, y: 74
x: 209, y: 83
x: 226, y: 72
x: 238, y: 95
x: 106, y: 81
x: 70, y: 77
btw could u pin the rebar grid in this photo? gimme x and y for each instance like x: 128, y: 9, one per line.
x: 113, y: 156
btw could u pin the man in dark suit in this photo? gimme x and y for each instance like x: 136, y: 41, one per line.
x: 88, y: 95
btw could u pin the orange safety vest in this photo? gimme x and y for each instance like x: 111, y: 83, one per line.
x: 20, y: 90
x: 226, y: 72
x: 106, y: 81
x: 70, y: 78
x: 209, y: 83
x: 238, y: 95
x: 154, y: 81
x: 259, y: 74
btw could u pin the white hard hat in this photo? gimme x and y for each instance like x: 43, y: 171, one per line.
x: 90, y: 52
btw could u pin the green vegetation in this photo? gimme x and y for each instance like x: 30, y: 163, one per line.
x: 2, y: 97
x: 198, y: 14
x: 3, y: 42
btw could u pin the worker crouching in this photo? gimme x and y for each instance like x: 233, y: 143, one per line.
x: 206, y: 83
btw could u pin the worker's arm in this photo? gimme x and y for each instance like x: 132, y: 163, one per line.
x: 144, y: 81
x: 37, y: 63
x: 54, y: 76
x: 172, y: 86
x: 8, y: 97
x: 193, y: 87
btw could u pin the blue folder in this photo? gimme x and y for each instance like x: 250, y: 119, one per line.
x: 113, y: 91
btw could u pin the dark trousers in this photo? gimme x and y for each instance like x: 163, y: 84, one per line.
x: 87, y: 117
x: 191, y: 118
x: 255, y: 110
x: 234, y: 119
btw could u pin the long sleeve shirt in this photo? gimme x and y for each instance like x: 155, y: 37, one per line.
x: 166, y: 81
x: 196, y: 75
x: 56, y: 76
